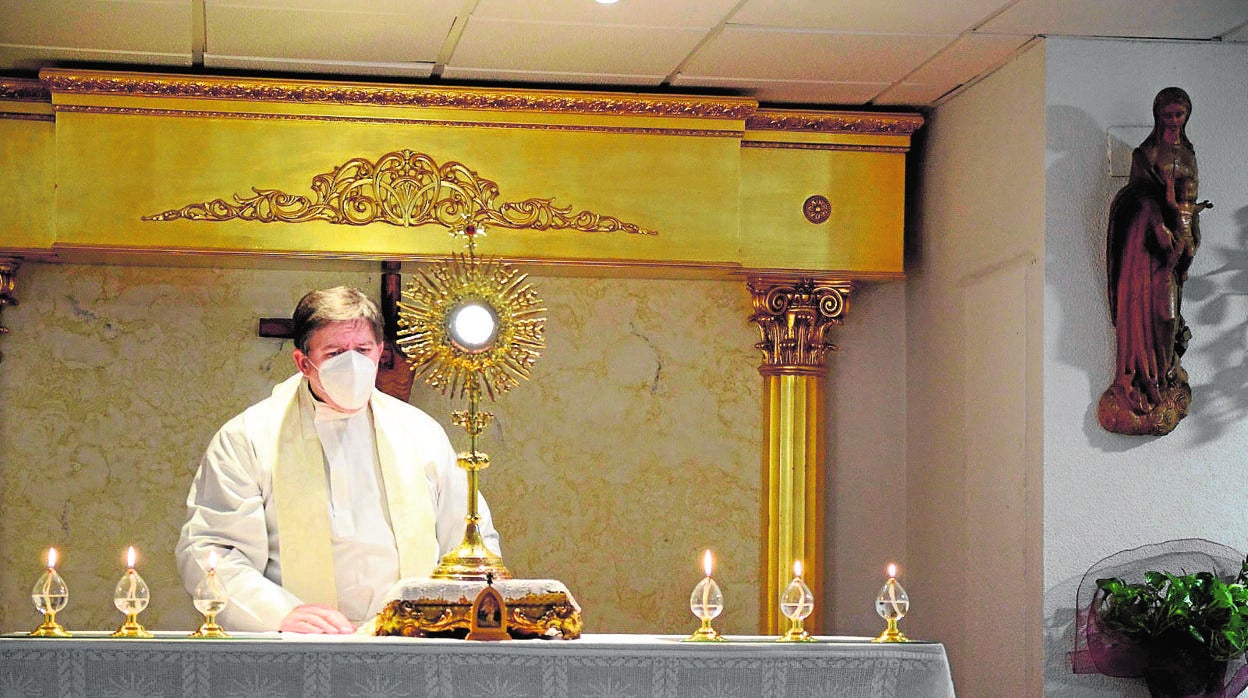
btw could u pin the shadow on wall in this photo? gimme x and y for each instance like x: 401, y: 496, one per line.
x: 1059, y: 640
x: 1221, y: 398
x: 1077, y: 194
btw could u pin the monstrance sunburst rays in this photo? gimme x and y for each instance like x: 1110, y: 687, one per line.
x: 434, y: 300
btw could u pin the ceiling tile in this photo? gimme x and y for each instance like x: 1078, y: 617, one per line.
x: 754, y: 54
x: 650, y: 13
x: 899, y: 52
x: 411, y: 69
x: 969, y: 57
x: 873, y: 16
x: 134, y: 27
x: 29, y: 59
x: 1238, y: 35
x: 560, y: 47
x: 332, y: 34
x: 534, y: 76
x: 791, y: 91
x: 911, y: 94
x: 1189, y: 19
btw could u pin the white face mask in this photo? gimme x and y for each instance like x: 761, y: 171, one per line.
x: 348, y: 378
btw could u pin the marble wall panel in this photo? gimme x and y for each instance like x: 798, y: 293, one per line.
x: 634, y: 446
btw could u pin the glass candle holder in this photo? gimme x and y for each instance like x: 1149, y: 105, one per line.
x: 50, y: 594
x: 892, y: 603
x: 797, y: 603
x: 210, y: 598
x: 131, y: 596
x: 706, y: 602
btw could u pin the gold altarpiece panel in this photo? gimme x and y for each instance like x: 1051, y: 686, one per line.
x: 27, y: 139
x: 715, y: 187
x: 720, y: 182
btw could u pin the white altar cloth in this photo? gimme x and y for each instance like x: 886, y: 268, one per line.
x: 614, y: 666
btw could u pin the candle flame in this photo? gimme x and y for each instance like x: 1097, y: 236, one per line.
x: 892, y: 570
x: 51, y: 558
x: 212, y: 561
x: 797, y: 568
x: 706, y: 562
x: 130, y: 557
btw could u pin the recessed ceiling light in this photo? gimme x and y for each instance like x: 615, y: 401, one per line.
x: 606, y: 2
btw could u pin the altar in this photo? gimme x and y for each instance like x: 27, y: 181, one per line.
x: 595, y: 665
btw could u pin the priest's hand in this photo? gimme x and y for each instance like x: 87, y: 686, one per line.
x: 314, y: 619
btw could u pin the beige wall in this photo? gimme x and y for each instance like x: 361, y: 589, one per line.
x: 634, y: 446
x: 974, y: 400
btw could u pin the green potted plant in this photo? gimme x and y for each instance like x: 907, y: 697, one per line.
x: 1186, y: 627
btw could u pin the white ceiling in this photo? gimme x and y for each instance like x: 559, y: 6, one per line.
x: 895, y: 53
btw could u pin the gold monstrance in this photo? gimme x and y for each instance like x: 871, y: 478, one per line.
x: 471, y: 324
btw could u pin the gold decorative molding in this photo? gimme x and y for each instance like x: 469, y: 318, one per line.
x: 19, y: 90
x: 840, y: 122
x: 403, y: 188
x: 793, y: 315
x: 304, y: 92
x: 24, y: 116
x: 8, y: 284
x: 392, y: 121
x: 826, y: 146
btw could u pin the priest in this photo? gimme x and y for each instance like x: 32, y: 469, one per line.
x: 318, y: 498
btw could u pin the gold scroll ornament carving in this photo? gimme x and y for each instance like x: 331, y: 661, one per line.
x: 403, y: 188
x: 793, y: 316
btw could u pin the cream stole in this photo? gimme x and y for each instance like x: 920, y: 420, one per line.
x: 301, y: 498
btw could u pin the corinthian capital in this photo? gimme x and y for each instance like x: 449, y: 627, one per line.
x: 793, y: 315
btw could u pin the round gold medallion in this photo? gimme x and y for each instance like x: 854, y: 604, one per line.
x: 817, y: 209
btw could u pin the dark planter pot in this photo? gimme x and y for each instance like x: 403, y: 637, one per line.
x: 1176, y: 673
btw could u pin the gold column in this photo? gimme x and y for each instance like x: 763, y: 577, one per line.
x: 8, y: 283
x: 793, y: 314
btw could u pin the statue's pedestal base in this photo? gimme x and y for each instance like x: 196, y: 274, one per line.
x: 1121, y: 410
x: 536, y: 608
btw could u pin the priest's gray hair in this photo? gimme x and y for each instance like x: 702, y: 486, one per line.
x: 319, y: 308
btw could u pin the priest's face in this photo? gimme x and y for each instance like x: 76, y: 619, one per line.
x: 329, y: 341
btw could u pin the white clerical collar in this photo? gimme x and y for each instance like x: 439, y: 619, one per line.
x: 325, y: 413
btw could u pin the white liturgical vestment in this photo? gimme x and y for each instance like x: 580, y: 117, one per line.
x: 364, y: 499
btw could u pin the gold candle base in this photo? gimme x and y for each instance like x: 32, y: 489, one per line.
x: 132, y: 628
x: 705, y: 634
x: 796, y: 633
x: 209, y: 630
x: 50, y: 628
x: 891, y: 633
